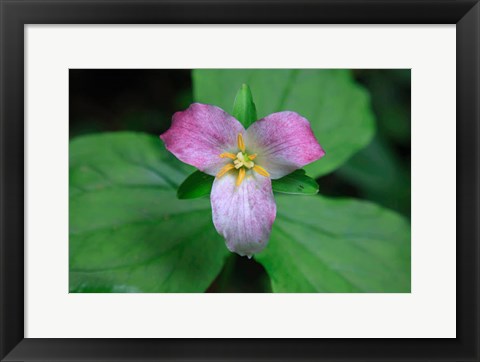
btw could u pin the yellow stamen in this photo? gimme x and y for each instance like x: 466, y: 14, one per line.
x: 241, y: 176
x: 261, y: 171
x: 240, y: 142
x: 229, y: 155
x: 225, y: 169
x: 252, y: 157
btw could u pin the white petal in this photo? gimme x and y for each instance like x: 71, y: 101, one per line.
x: 243, y: 214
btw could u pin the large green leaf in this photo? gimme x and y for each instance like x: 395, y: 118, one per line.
x: 130, y: 233
x: 338, y: 108
x: 328, y: 245
x: 128, y: 230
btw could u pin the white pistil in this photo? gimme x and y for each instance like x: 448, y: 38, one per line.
x: 243, y: 160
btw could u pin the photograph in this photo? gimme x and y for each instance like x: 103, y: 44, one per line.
x: 239, y: 181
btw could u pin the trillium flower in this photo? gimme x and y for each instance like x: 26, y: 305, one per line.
x: 244, y: 162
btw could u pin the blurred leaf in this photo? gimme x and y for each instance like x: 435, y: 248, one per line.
x: 243, y: 107
x: 337, y: 108
x: 198, y: 184
x: 296, y: 183
x: 337, y: 245
x: 390, y: 90
x: 379, y: 174
x: 128, y: 231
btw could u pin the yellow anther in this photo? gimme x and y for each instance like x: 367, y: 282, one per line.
x: 252, y: 157
x: 261, y: 171
x: 229, y: 155
x: 241, y: 176
x: 225, y: 169
x: 241, y: 144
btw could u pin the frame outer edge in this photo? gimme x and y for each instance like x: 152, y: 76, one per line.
x: 12, y: 170
x: 468, y: 181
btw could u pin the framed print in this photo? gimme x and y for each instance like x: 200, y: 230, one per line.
x: 239, y: 180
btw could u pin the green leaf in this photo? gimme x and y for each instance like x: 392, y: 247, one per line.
x: 296, y: 183
x: 337, y: 108
x: 380, y: 175
x: 380, y: 171
x: 243, y: 108
x: 337, y: 245
x: 128, y: 231
x: 198, y: 184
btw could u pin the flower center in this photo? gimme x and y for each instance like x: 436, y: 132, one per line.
x: 242, y: 162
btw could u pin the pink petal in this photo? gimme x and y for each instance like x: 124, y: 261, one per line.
x: 284, y: 142
x: 243, y: 214
x: 200, y: 134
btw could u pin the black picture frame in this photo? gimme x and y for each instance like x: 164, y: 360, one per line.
x: 15, y: 14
